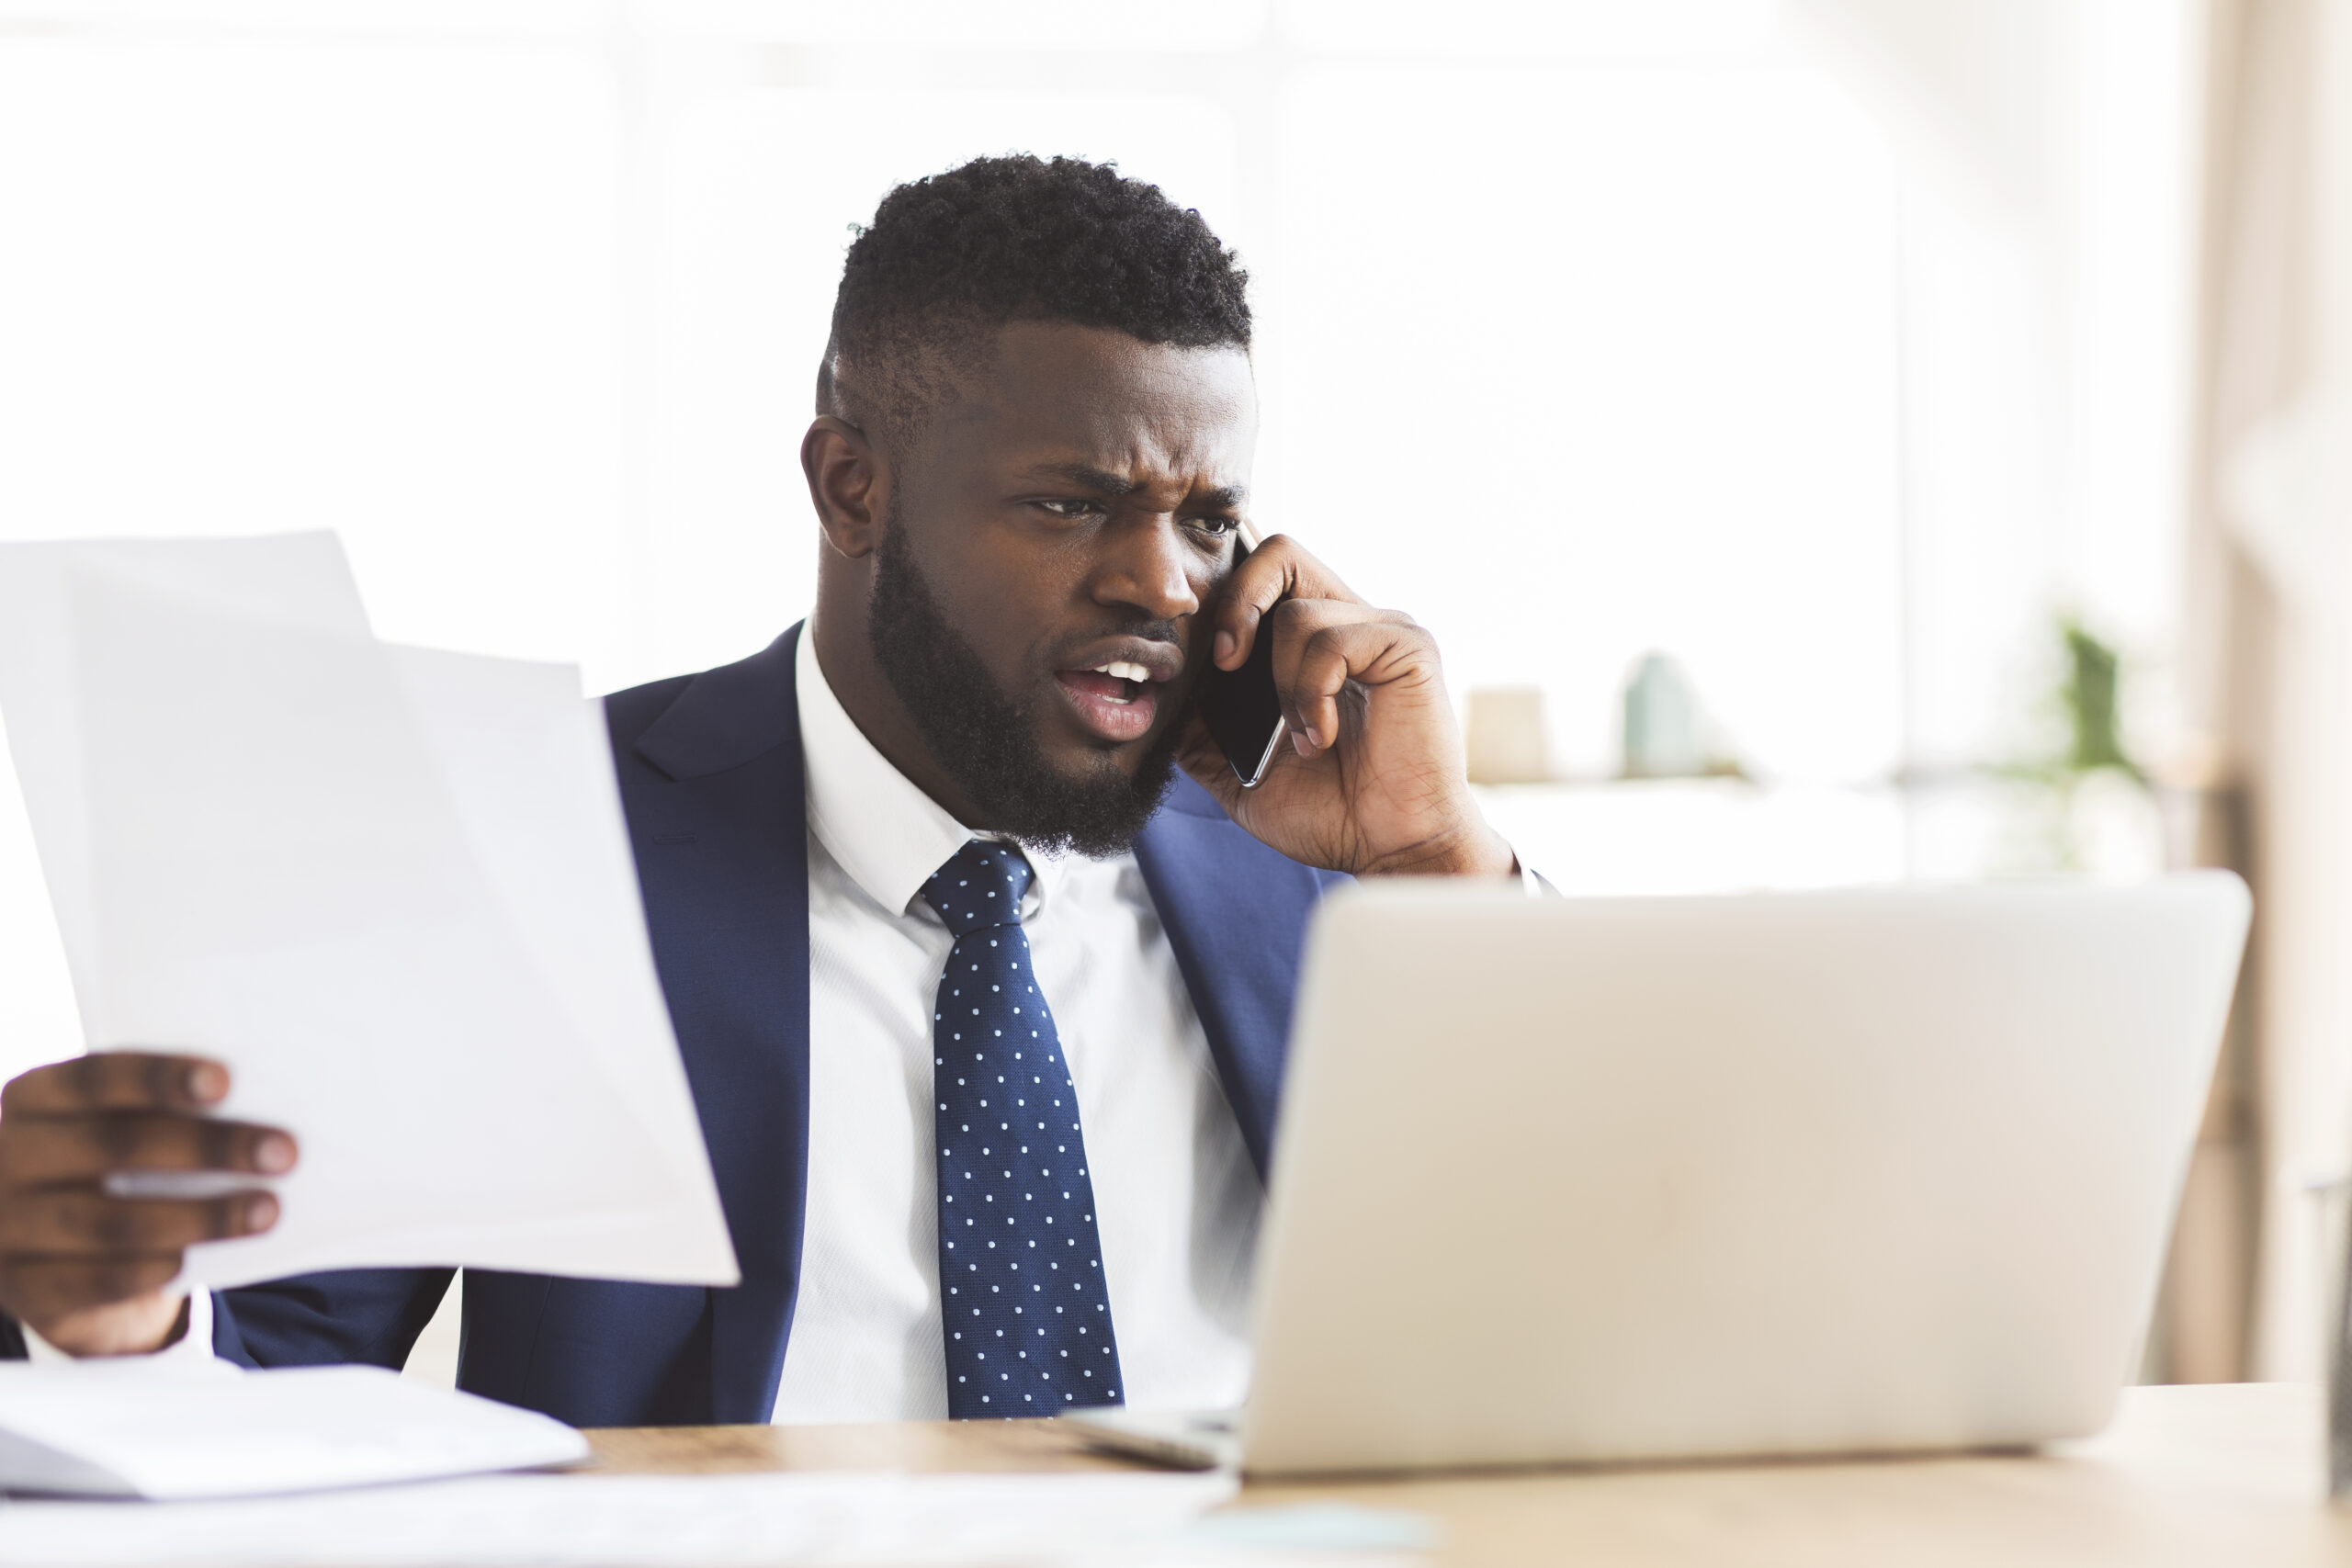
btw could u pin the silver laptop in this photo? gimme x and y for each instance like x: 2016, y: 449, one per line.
x: 1606, y: 1179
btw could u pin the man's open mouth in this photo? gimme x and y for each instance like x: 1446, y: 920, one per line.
x: 1117, y: 699
x: 1118, y: 683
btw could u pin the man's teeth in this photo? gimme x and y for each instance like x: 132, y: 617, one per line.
x: 1124, y: 671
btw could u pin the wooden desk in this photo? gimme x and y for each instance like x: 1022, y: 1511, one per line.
x: 2218, y: 1475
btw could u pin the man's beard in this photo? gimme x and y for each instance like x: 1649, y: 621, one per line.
x: 987, y: 741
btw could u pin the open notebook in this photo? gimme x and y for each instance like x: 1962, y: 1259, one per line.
x: 166, y: 1432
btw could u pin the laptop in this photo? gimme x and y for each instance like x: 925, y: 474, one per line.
x: 1578, y: 1180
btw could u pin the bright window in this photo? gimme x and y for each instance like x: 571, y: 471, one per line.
x: 1578, y: 322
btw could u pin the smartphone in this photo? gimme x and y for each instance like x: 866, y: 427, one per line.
x: 1240, y: 708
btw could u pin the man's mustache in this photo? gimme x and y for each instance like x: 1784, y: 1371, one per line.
x: 1142, y: 631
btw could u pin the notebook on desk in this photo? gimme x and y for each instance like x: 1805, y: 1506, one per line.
x: 1581, y: 1180
x: 165, y: 1431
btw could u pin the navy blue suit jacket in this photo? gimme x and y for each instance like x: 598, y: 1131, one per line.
x: 711, y: 777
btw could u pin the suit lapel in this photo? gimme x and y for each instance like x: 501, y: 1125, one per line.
x: 718, y: 813
x: 1236, y: 915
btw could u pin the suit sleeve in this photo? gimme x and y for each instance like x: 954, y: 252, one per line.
x: 370, y: 1315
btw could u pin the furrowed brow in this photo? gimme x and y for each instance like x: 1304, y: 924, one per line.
x: 1101, y: 482
x: 1086, y: 476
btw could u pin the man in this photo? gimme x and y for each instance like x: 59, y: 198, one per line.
x: 982, y: 1002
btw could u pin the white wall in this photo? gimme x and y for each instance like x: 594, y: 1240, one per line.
x: 2050, y: 155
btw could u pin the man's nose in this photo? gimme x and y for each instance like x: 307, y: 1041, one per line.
x: 1148, y: 567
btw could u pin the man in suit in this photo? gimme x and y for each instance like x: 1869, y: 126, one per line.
x: 981, y: 959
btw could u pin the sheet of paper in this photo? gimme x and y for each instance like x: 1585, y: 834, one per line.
x: 391, y: 887
x: 186, y: 1429
x: 626, y: 1521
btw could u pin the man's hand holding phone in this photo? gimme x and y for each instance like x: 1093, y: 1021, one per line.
x: 83, y: 1266
x: 1377, y: 784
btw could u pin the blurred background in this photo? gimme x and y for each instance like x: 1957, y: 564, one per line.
x: 1833, y: 440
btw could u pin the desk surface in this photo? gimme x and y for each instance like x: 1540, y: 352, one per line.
x: 2227, y: 1474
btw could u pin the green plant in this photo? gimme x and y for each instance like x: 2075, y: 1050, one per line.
x: 2089, y: 699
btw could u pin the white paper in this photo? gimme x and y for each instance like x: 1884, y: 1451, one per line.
x: 707, y: 1521
x: 181, y: 1429
x: 391, y: 889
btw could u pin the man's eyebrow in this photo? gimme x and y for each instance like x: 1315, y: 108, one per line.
x: 1086, y: 476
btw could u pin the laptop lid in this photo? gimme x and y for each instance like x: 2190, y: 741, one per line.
x: 1585, y: 1179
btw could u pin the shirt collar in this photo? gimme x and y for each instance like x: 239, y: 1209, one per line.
x: 876, y: 822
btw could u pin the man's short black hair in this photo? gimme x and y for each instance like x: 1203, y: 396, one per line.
x: 950, y: 258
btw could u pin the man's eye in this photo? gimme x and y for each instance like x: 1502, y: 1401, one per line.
x: 1218, y: 527
x: 1072, y: 509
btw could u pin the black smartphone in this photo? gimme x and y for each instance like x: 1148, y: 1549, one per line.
x: 1242, y: 711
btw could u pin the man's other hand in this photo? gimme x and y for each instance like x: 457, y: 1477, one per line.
x: 85, y: 1269
x: 1377, y: 784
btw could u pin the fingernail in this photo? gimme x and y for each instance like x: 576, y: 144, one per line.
x: 1303, y: 742
x: 207, y: 1082
x: 261, y: 1212
x: 1226, y: 643
x: 274, y: 1153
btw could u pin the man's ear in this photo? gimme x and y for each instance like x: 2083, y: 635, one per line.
x: 847, y: 484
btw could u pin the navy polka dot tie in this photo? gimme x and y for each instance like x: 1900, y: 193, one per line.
x: 1023, y: 1304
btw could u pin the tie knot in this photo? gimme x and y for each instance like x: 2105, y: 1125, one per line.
x: 980, y: 886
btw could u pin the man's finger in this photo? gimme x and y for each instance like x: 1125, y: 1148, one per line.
x: 40, y: 1150
x: 1377, y: 652
x: 117, y: 1080
x: 42, y: 1290
x: 1296, y: 625
x: 72, y: 1220
x: 1277, y: 570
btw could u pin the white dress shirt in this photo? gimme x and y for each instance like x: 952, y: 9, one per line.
x: 1175, y: 1192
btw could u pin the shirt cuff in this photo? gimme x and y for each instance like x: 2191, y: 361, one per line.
x: 1531, y: 881
x: 195, y: 1345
